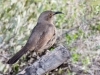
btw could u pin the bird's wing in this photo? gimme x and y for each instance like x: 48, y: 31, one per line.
x: 40, y: 35
x: 45, y: 38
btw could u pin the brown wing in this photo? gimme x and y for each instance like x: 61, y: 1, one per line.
x: 40, y: 35
x: 45, y: 37
x: 35, y: 36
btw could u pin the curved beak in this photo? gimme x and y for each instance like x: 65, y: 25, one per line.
x: 58, y: 12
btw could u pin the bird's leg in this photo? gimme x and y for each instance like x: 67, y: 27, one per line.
x: 48, y: 51
x: 31, y: 54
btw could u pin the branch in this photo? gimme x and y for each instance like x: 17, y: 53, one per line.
x: 47, y: 62
x: 67, y: 31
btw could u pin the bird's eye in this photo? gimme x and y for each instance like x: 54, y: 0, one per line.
x: 50, y: 15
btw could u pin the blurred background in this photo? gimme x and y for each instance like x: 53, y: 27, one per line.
x: 18, y: 17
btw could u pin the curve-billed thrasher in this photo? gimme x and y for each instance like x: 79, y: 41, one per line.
x: 42, y: 37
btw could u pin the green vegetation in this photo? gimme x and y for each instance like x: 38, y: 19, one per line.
x: 18, y: 17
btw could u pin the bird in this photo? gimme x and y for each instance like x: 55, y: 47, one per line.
x: 43, y: 36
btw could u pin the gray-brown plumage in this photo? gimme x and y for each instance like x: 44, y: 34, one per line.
x: 42, y: 36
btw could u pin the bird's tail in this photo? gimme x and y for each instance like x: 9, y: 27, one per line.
x: 17, y: 56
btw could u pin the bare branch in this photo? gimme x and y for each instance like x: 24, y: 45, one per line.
x: 67, y: 31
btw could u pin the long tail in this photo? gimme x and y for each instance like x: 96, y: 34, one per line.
x: 17, y: 56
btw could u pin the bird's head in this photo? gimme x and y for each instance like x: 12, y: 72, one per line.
x: 47, y: 16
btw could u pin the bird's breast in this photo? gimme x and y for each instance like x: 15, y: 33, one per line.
x: 52, y: 40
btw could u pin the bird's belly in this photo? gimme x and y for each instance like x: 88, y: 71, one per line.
x: 49, y: 44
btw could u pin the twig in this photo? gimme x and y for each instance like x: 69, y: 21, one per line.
x: 67, y: 31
